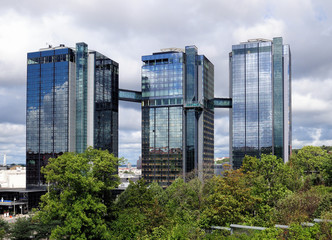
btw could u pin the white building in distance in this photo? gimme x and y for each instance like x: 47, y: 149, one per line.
x: 13, y: 178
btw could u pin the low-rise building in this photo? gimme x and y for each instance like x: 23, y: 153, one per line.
x: 15, y: 177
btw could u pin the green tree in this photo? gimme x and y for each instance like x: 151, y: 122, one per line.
x: 326, y: 227
x: 227, y: 200
x: 327, y: 148
x: 130, y: 223
x: 184, y: 196
x: 327, y: 170
x: 297, y: 231
x: 269, y: 178
x: 138, y: 211
x: 136, y: 195
x: 298, y: 207
x: 79, y: 194
x: 28, y: 227
x: 314, y: 162
x: 22, y: 229
x: 4, y: 227
x: 184, y: 205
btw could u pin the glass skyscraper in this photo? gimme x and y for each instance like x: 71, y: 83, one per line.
x: 72, y: 103
x: 260, y: 88
x: 177, y: 117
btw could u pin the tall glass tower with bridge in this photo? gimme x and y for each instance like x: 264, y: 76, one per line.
x: 177, y: 115
x: 260, y: 88
x: 72, y: 103
x: 73, y: 96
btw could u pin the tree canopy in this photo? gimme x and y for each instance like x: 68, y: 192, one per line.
x: 263, y: 192
x: 79, y: 194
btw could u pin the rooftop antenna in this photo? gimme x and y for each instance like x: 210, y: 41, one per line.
x: 49, y: 45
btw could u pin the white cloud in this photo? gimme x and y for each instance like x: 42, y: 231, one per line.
x: 308, y: 103
x: 12, y: 142
x: 129, y: 118
x: 130, y: 145
x: 311, y: 102
x: 266, y: 29
x: 126, y: 30
x: 314, y: 140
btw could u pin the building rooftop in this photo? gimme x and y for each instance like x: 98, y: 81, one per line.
x: 50, y: 47
x: 172, y: 49
x: 256, y: 40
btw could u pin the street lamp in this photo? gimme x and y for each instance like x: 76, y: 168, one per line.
x: 14, y: 205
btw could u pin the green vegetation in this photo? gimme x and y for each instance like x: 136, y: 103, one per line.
x: 264, y: 192
x: 79, y: 196
x: 4, y: 227
x: 221, y: 161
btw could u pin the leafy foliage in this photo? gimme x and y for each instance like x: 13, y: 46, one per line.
x: 22, y: 229
x: 264, y: 192
x: 227, y: 200
x: 298, y: 207
x: 314, y: 162
x: 4, y: 227
x: 79, y: 194
x: 269, y: 177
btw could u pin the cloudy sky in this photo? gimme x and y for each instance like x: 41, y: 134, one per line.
x: 127, y: 29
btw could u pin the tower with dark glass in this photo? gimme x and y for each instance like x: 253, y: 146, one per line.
x: 72, y: 103
x: 260, y: 88
x: 177, y: 115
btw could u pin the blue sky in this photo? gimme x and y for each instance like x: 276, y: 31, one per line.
x: 125, y: 30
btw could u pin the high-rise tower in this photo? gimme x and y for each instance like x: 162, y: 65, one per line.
x: 72, y: 103
x: 177, y: 119
x: 260, y: 88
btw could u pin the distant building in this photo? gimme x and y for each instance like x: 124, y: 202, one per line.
x: 139, y: 163
x: 127, y: 174
x: 220, y: 165
x: 72, y: 103
x: 220, y: 168
x: 14, y: 177
x: 177, y: 119
x: 260, y: 88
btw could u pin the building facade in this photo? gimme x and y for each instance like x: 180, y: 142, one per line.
x: 177, y: 117
x: 72, y: 103
x: 260, y: 88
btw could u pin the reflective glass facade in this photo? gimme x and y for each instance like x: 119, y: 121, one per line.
x: 221, y: 103
x: 260, y: 91
x: 81, y: 96
x: 49, y: 75
x: 169, y: 147
x: 130, y: 96
x: 106, y: 107
x: 162, y: 99
x: 57, y: 116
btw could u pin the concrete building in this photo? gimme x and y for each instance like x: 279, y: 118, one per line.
x: 13, y: 178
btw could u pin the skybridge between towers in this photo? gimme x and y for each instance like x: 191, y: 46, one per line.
x: 73, y: 102
x: 136, y: 96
